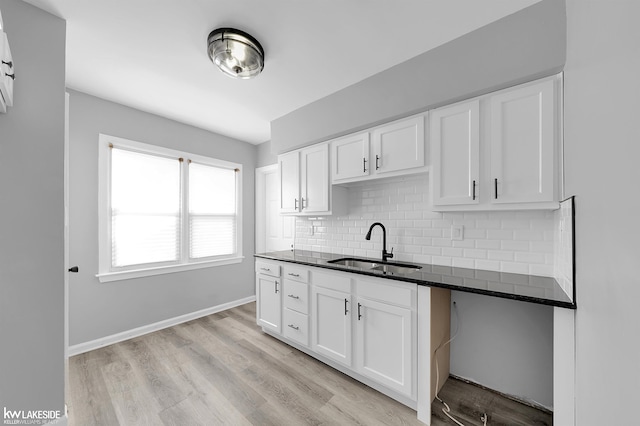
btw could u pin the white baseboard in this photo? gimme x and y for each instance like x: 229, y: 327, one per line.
x: 125, y: 335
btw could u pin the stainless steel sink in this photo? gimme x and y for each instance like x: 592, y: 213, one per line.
x: 396, y: 269
x: 356, y: 263
x: 386, y: 267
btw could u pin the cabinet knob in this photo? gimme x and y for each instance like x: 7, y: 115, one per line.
x: 74, y: 269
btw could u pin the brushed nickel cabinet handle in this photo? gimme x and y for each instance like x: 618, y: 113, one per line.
x: 293, y: 297
x: 293, y: 326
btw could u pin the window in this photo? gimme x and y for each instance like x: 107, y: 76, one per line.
x: 164, y: 210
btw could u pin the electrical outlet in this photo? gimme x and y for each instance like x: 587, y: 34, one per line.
x: 457, y: 232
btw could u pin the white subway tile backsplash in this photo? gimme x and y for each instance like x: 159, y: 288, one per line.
x: 500, y: 255
x: 500, y: 234
x: 515, y: 242
x: 488, y: 244
x: 530, y: 257
x: 475, y: 253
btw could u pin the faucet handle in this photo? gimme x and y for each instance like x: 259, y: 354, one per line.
x: 390, y: 254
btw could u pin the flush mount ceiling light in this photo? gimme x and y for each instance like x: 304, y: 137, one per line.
x: 235, y: 52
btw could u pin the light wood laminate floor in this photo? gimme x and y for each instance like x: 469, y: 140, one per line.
x: 223, y: 370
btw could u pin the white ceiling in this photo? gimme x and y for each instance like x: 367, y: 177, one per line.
x: 151, y: 54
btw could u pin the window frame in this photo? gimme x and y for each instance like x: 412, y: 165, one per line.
x: 184, y: 263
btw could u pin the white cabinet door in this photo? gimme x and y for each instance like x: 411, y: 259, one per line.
x: 350, y: 157
x: 399, y: 145
x: 289, y: 173
x: 522, y: 144
x: 269, y: 303
x: 455, y: 153
x: 331, y: 319
x: 384, y: 344
x: 314, y: 179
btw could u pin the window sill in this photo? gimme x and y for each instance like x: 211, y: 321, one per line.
x: 161, y: 270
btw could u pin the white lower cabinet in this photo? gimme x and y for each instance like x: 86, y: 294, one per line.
x: 269, y: 301
x: 386, y: 333
x: 385, y: 345
x: 268, y: 295
x: 332, y: 324
x: 366, y: 325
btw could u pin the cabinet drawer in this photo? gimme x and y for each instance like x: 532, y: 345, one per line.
x: 296, y: 326
x: 396, y: 294
x: 268, y: 268
x: 296, y: 296
x: 296, y: 273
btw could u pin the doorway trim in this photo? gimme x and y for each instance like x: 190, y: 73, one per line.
x: 261, y: 214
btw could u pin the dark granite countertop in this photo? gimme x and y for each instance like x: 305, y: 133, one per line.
x: 527, y: 288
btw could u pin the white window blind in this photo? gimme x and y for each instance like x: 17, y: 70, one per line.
x: 145, y: 208
x: 164, y: 210
x: 212, y: 211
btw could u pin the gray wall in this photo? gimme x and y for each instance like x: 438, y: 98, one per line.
x: 31, y: 216
x: 602, y: 154
x: 528, y: 44
x: 98, y: 310
x: 266, y: 156
x: 505, y: 345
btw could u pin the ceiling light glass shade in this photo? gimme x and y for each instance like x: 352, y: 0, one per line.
x: 235, y: 52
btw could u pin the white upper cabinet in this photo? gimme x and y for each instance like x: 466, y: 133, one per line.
x: 350, y: 157
x: 314, y: 179
x: 304, y: 182
x: 399, y: 145
x: 289, y: 172
x: 7, y: 73
x: 522, y: 144
x: 395, y: 149
x: 500, y: 151
x: 455, y: 145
